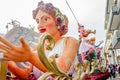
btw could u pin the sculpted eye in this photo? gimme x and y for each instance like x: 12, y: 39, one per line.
x: 46, y: 19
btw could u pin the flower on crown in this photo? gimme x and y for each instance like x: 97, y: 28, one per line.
x: 48, y: 7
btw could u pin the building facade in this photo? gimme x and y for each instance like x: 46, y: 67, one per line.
x: 112, y: 27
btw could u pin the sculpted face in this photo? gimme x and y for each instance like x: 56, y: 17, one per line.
x: 86, y: 33
x: 83, y: 32
x: 46, y: 23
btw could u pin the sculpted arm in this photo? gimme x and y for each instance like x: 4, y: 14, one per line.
x: 65, y: 60
x: 19, y: 72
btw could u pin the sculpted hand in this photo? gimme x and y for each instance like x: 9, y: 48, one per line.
x: 101, y: 42
x: 91, y: 50
x: 20, y: 53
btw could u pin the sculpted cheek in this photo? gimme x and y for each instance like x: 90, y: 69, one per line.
x: 49, y: 25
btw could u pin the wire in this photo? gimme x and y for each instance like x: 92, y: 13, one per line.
x: 71, y: 11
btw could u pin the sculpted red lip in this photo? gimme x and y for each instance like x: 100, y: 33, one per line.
x: 42, y: 30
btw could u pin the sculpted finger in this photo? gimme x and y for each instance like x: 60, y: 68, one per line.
x: 3, y: 47
x: 7, y: 43
x: 8, y: 57
x: 6, y: 50
x: 3, y: 57
x: 24, y: 44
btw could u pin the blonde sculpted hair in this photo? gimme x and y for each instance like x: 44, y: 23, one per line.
x: 60, y: 19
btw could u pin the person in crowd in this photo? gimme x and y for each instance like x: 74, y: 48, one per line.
x: 119, y: 69
x: 50, y: 20
x: 112, y: 70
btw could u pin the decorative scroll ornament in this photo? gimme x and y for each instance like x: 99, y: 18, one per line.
x: 51, y: 63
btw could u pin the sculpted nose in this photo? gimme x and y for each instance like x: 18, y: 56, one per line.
x: 40, y: 26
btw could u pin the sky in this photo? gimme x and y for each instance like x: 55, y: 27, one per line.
x: 90, y: 13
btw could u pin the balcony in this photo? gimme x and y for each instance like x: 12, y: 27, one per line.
x: 116, y: 40
x: 108, y: 34
x: 108, y: 45
x: 114, y: 19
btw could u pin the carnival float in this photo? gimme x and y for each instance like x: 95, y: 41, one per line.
x: 90, y: 63
x: 88, y: 66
